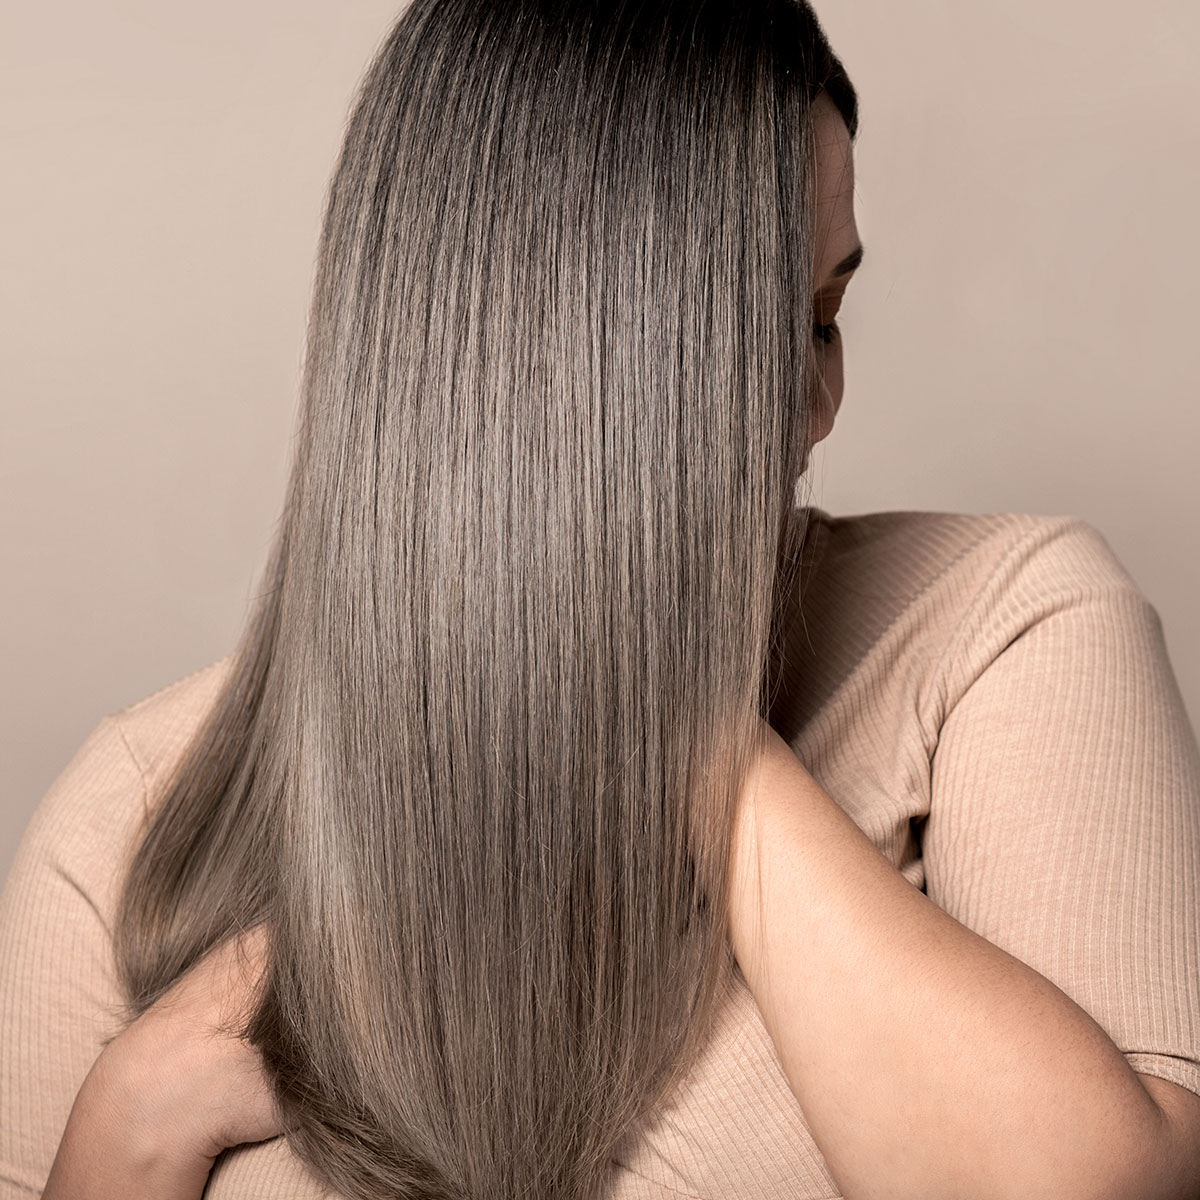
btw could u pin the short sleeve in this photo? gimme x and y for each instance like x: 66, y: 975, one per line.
x: 58, y: 993
x: 1064, y: 820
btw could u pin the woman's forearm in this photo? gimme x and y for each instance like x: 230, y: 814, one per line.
x: 928, y: 1062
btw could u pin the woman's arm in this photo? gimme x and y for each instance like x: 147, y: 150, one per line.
x: 928, y: 1062
x: 173, y: 1090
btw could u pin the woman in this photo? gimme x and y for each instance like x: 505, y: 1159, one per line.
x: 493, y: 838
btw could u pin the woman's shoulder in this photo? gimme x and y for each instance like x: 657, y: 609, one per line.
x: 963, y: 557
x: 893, y: 601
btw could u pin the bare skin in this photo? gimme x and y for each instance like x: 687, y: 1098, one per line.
x: 837, y: 237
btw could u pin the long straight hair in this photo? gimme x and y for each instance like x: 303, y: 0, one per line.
x: 477, y: 757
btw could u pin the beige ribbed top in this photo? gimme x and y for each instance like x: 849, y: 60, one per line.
x: 988, y: 696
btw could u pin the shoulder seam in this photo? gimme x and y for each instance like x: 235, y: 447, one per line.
x: 1018, y: 547
x: 137, y: 762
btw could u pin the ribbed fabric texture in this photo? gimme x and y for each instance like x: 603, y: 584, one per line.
x: 988, y: 696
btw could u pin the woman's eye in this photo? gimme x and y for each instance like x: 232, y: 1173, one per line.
x: 827, y: 333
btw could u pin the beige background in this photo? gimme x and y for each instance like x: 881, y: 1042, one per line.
x: 1022, y: 336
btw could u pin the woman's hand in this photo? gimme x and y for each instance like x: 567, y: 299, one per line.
x: 172, y: 1090
x: 193, y: 1084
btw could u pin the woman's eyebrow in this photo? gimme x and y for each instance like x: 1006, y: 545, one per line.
x: 851, y: 262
